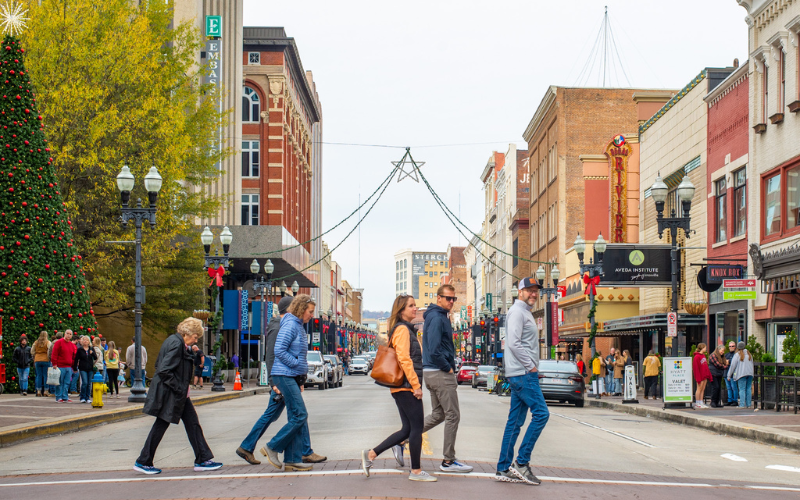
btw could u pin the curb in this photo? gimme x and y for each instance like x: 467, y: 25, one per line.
x: 73, y: 424
x: 758, y: 434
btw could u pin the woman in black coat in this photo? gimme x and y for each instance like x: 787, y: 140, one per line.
x: 168, y: 399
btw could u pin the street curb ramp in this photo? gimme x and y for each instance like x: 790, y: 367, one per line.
x: 758, y: 434
x: 74, y: 424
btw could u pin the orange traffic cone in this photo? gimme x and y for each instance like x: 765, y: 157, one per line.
x: 237, y: 383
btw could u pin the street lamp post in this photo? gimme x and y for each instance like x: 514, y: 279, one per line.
x: 139, y: 215
x: 218, y: 263
x: 549, y: 291
x: 685, y: 191
x: 259, y: 287
x: 594, y: 269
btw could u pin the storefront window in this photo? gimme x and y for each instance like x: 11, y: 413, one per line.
x: 792, y: 197
x: 722, y: 210
x: 772, y: 205
x: 739, y: 202
x: 777, y: 334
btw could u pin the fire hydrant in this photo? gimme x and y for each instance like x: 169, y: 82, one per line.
x: 97, y: 390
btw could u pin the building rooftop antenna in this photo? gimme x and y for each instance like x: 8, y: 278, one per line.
x: 604, y: 56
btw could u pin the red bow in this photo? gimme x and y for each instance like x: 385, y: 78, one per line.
x: 217, y: 273
x: 590, y: 284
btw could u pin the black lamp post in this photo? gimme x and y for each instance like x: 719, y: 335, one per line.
x: 218, y: 263
x: 685, y: 191
x: 594, y: 269
x: 549, y: 291
x: 139, y: 215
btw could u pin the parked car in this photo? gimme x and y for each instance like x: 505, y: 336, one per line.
x: 359, y: 365
x: 317, y: 371
x: 465, y: 373
x: 336, y: 374
x: 481, y: 374
x: 561, y: 381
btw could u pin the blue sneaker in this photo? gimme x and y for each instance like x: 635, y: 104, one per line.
x: 146, y: 469
x: 207, y: 465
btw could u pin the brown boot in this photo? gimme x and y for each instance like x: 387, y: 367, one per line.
x: 248, y: 456
x: 314, y: 459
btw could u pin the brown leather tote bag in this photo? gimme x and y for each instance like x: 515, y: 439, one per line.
x: 387, y: 371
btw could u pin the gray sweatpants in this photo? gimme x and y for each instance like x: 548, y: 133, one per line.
x: 444, y: 408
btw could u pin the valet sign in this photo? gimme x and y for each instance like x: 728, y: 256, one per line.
x: 677, y: 380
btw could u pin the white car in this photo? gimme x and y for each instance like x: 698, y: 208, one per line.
x: 317, y: 371
x: 359, y: 365
x: 336, y: 370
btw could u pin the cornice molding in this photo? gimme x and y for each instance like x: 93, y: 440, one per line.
x: 544, y: 106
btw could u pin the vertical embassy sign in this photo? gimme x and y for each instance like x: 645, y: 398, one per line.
x: 214, y: 76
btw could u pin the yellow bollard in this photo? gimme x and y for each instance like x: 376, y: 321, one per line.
x: 97, y: 390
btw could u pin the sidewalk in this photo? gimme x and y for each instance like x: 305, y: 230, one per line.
x: 765, y: 426
x: 30, y: 417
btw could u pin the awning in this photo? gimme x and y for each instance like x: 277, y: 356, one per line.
x: 649, y: 322
x: 778, y: 270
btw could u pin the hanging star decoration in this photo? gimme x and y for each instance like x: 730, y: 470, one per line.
x: 407, y: 159
x: 12, y: 18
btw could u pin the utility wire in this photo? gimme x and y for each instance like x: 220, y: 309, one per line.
x: 416, y: 147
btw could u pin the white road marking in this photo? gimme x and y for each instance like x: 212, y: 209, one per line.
x: 379, y: 471
x: 735, y: 458
x: 618, y: 434
x: 784, y: 467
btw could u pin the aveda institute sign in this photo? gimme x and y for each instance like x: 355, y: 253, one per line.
x: 634, y: 265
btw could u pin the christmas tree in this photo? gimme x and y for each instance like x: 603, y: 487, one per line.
x: 42, y: 284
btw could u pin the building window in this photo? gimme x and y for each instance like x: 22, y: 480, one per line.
x: 249, y: 209
x: 254, y: 57
x: 781, y: 80
x: 250, y: 158
x: 772, y: 205
x: 792, y: 197
x: 251, y: 106
x: 740, y: 202
x: 764, y: 94
x: 514, y: 252
x: 721, y: 197
x: 405, y: 263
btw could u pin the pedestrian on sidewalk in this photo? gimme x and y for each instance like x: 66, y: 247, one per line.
x: 289, y: 374
x: 599, y: 370
x: 521, y: 358
x: 702, y: 374
x: 408, y: 397
x: 276, y: 402
x: 742, y: 371
x: 731, y: 386
x: 75, y: 384
x: 439, y: 367
x: 619, y: 368
x: 63, y: 358
x: 130, y: 360
x: 716, y: 364
x: 112, y: 368
x: 22, y: 358
x: 651, y: 367
x: 199, y: 363
x: 168, y: 399
x: 609, y: 364
x: 85, y: 362
x: 41, y: 362
x: 581, y: 365
x: 52, y: 388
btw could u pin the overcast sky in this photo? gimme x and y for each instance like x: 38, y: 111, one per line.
x: 425, y: 73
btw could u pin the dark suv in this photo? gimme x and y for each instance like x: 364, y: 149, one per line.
x: 561, y: 381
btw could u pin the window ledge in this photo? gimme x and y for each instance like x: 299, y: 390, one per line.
x: 776, y: 118
x: 719, y: 244
x: 738, y: 238
x: 794, y: 107
x: 760, y: 128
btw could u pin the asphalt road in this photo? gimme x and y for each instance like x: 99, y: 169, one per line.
x: 582, y: 452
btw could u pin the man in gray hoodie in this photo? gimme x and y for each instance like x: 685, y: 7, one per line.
x: 521, y: 359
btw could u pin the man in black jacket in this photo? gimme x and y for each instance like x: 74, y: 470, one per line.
x: 276, y: 404
x: 22, y: 358
x: 438, y: 372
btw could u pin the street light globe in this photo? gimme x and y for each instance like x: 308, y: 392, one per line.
x: 600, y: 244
x: 659, y: 190
x: 580, y: 244
x: 540, y: 274
x: 125, y: 179
x: 226, y: 237
x: 295, y: 287
x: 207, y: 237
x: 330, y: 312
x: 515, y: 292
x: 283, y: 286
x: 555, y: 273
x: 686, y: 189
x: 269, y: 267
x: 255, y: 267
x: 153, y: 181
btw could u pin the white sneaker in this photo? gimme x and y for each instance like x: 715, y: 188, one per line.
x: 422, y: 476
x: 397, y: 450
x: 455, y: 466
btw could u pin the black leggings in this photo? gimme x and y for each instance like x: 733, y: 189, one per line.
x: 650, y: 385
x: 113, y: 383
x: 193, y: 431
x: 413, y: 417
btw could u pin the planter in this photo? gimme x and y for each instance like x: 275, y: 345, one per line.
x: 695, y: 307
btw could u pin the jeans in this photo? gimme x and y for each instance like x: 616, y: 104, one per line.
x: 412, y: 415
x: 296, y: 415
x: 271, y: 414
x: 73, y: 384
x: 86, y: 386
x: 525, y: 395
x: 194, y: 432
x: 41, y: 375
x: 610, y: 382
x: 443, y: 388
x: 733, y: 390
x: 618, y: 386
x: 22, y: 376
x: 62, y: 391
x: 745, y: 391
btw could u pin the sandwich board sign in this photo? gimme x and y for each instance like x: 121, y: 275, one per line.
x: 677, y: 380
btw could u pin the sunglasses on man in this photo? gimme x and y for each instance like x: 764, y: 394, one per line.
x: 450, y: 299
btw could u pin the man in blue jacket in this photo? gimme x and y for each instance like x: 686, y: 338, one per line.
x: 438, y: 372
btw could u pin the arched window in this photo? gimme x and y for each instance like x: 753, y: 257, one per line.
x: 251, y: 107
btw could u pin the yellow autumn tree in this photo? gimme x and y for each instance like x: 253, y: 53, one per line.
x: 118, y: 84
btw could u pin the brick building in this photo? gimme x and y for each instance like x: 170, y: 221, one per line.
x: 726, y: 185
x: 457, y: 276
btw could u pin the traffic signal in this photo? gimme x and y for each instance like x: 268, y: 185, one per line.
x: 496, y: 320
x: 315, y: 325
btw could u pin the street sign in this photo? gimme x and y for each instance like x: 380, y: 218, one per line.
x: 315, y: 339
x: 672, y: 324
x: 722, y: 272
x: 539, y: 323
x: 245, y: 320
x: 742, y: 295
x: 739, y: 283
x: 489, y: 301
x: 677, y: 380
x: 502, y: 333
x: 214, y: 26
x: 469, y: 311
